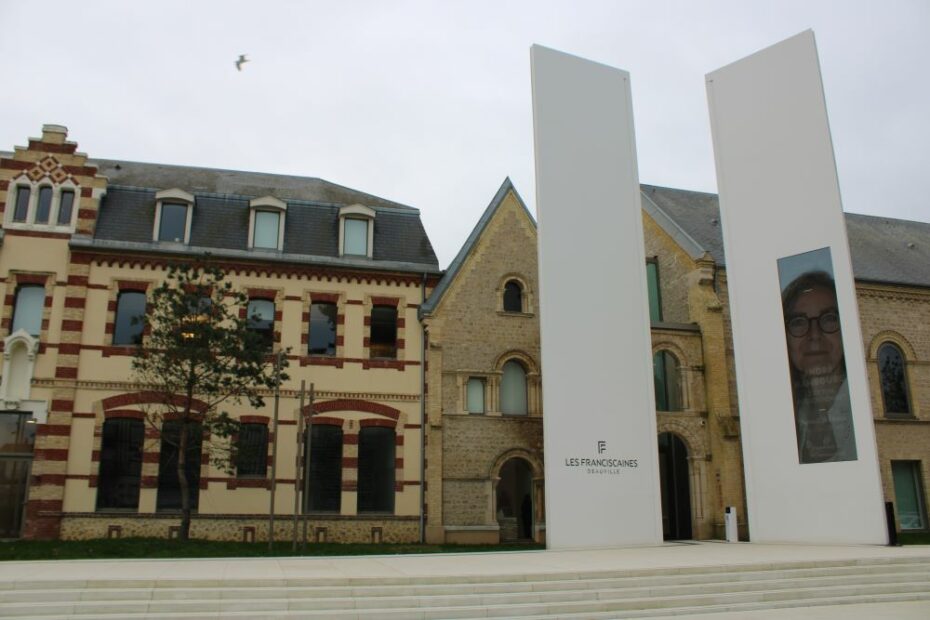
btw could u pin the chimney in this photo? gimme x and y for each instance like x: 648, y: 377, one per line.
x: 54, y: 134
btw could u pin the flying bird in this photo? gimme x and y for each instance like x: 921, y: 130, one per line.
x: 242, y: 60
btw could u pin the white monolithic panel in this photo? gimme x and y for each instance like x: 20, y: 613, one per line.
x: 602, y: 482
x: 809, y: 451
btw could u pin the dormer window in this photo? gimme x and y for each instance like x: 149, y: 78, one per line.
x: 173, y: 212
x: 266, y: 223
x: 356, y: 231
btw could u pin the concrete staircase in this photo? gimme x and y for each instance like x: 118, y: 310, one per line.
x: 641, y: 593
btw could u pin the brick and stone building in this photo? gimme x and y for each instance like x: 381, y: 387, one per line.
x: 428, y: 411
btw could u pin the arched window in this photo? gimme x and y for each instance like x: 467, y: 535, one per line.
x: 513, y: 297
x: 513, y: 389
x: 376, y: 463
x: 667, y: 381
x: 325, y: 468
x: 120, y: 464
x: 893, y: 376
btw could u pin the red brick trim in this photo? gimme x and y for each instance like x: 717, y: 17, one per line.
x: 145, y: 397
x: 350, y: 404
x: 53, y: 430
x: 355, y: 302
x: 254, y: 419
x: 30, y: 278
x: 132, y: 285
x: 326, y: 421
x: 47, y: 147
x: 262, y: 293
x: 381, y: 423
x: 50, y: 454
x: 14, y: 232
x: 324, y: 297
x: 385, y: 301
x: 350, y: 439
x: 62, y: 405
x: 124, y: 413
x: 91, y: 416
x: 53, y: 480
x: 350, y: 462
x: 66, y: 373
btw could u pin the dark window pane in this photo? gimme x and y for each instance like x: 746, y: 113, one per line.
x: 384, y: 332
x: 22, y: 204
x: 894, y: 380
x: 173, y: 222
x: 667, y: 381
x: 120, y: 463
x: 130, y: 310
x: 17, y: 434
x: 376, y: 463
x: 252, y: 450
x: 44, y: 206
x: 169, y: 487
x: 261, y: 320
x: 652, y: 286
x: 323, y: 329
x: 27, y: 314
x: 908, y: 491
x: 513, y: 297
x: 325, y: 468
x: 65, y: 207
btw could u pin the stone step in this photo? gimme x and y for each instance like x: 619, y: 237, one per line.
x: 484, y: 605
x: 665, y: 585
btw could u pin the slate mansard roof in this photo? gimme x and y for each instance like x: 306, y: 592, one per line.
x: 884, y: 250
x: 220, y: 220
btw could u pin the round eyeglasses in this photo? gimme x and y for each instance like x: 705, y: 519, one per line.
x: 828, y: 322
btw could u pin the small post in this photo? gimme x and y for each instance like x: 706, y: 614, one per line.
x: 274, y: 447
x: 307, y: 445
x: 297, y: 472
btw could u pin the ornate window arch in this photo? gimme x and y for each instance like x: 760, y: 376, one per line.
x: 516, y: 380
x: 892, y: 376
x: 514, y: 295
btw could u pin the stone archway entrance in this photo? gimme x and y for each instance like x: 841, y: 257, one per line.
x: 676, y: 488
x: 515, y: 500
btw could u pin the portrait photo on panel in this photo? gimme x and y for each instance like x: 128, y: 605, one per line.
x: 822, y: 411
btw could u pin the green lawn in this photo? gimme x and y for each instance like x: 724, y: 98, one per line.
x: 146, y: 548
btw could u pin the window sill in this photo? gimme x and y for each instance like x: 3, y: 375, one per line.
x: 524, y: 315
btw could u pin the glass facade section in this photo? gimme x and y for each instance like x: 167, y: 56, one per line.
x: 376, y: 463
x: 130, y: 312
x: 173, y: 222
x: 44, y: 205
x: 513, y: 389
x: 21, y: 210
x: 120, y: 464
x: 265, y: 233
x: 383, y: 341
x: 322, y: 339
x: 912, y: 514
x: 27, y: 313
x: 325, y: 477
x: 355, y: 237
x: 65, y: 207
x: 475, y: 395
x: 252, y: 450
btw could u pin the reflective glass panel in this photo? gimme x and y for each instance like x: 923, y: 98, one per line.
x: 475, y: 395
x: 130, y: 310
x: 173, y: 222
x: 383, y: 339
x: 120, y: 463
x: 44, y: 206
x: 65, y: 207
x: 355, y: 237
x: 513, y: 389
x: 323, y: 329
x: 21, y: 211
x: 376, y: 463
x: 266, y: 229
x: 27, y: 314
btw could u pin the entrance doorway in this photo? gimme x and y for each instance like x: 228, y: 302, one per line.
x: 17, y: 438
x: 515, y: 500
x: 676, y: 489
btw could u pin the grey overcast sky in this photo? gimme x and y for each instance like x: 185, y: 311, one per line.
x: 428, y: 103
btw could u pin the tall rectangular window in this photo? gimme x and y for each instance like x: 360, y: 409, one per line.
x: 355, y: 237
x: 265, y: 233
x: 376, y: 464
x: 130, y: 312
x: 652, y: 286
x: 261, y: 321
x: 21, y: 210
x: 169, y: 487
x: 173, y: 222
x: 474, y: 395
x: 120, y: 464
x: 325, y: 469
x: 252, y: 451
x: 322, y: 329
x: 383, y: 341
x: 44, y: 206
x: 27, y: 312
x: 65, y: 207
x: 909, y: 497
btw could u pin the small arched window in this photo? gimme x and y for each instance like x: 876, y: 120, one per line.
x: 513, y: 297
x: 667, y: 378
x: 513, y: 389
x: 893, y: 376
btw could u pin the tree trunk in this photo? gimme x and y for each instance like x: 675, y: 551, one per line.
x: 185, y: 531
